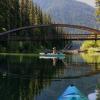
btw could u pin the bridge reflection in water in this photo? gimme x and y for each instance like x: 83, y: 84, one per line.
x: 28, y: 77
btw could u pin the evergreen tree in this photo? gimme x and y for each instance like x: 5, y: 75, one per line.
x: 19, y: 13
x: 98, y: 10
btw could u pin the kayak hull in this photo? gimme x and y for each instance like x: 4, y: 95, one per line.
x: 51, y: 55
x: 72, y: 93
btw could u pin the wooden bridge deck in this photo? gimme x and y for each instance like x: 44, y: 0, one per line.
x: 57, y: 37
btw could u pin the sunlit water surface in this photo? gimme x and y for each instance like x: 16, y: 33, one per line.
x: 31, y: 78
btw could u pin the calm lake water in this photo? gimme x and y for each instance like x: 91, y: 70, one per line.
x: 31, y: 78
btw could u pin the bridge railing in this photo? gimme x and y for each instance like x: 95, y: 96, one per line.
x: 55, y: 37
x: 80, y: 36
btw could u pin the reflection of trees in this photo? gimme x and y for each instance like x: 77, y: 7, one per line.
x: 19, y: 89
x: 91, y: 58
x: 76, y: 68
x: 26, y: 76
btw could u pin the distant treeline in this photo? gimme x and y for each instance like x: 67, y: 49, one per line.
x: 18, y: 13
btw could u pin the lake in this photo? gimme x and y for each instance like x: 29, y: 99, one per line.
x: 32, y: 78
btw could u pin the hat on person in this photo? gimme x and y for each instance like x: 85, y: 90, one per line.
x: 54, y: 47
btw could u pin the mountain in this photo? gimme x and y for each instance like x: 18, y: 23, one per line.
x: 69, y: 11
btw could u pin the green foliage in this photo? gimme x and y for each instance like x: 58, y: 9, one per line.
x: 90, y: 44
x: 19, y: 13
x: 98, y: 10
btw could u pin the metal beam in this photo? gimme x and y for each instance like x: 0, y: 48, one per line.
x: 52, y: 25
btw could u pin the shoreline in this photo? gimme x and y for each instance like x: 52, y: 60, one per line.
x: 77, y: 51
x: 19, y: 54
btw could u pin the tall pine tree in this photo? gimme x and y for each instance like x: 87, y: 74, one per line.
x: 98, y: 10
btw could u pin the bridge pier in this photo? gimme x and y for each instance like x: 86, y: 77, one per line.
x: 95, y: 39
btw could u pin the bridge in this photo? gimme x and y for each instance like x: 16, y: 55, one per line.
x: 64, y: 36
x: 57, y: 37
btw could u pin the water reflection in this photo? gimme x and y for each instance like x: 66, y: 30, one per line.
x: 29, y: 78
x: 32, y: 67
x: 77, y: 67
x: 21, y: 78
x: 93, y: 59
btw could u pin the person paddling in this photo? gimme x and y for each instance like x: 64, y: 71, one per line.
x: 54, y: 50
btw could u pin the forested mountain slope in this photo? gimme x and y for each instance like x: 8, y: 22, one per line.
x: 69, y: 11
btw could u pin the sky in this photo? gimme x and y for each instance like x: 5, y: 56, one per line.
x: 89, y: 2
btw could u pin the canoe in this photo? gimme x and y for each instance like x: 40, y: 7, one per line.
x: 51, y: 55
x: 72, y: 93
